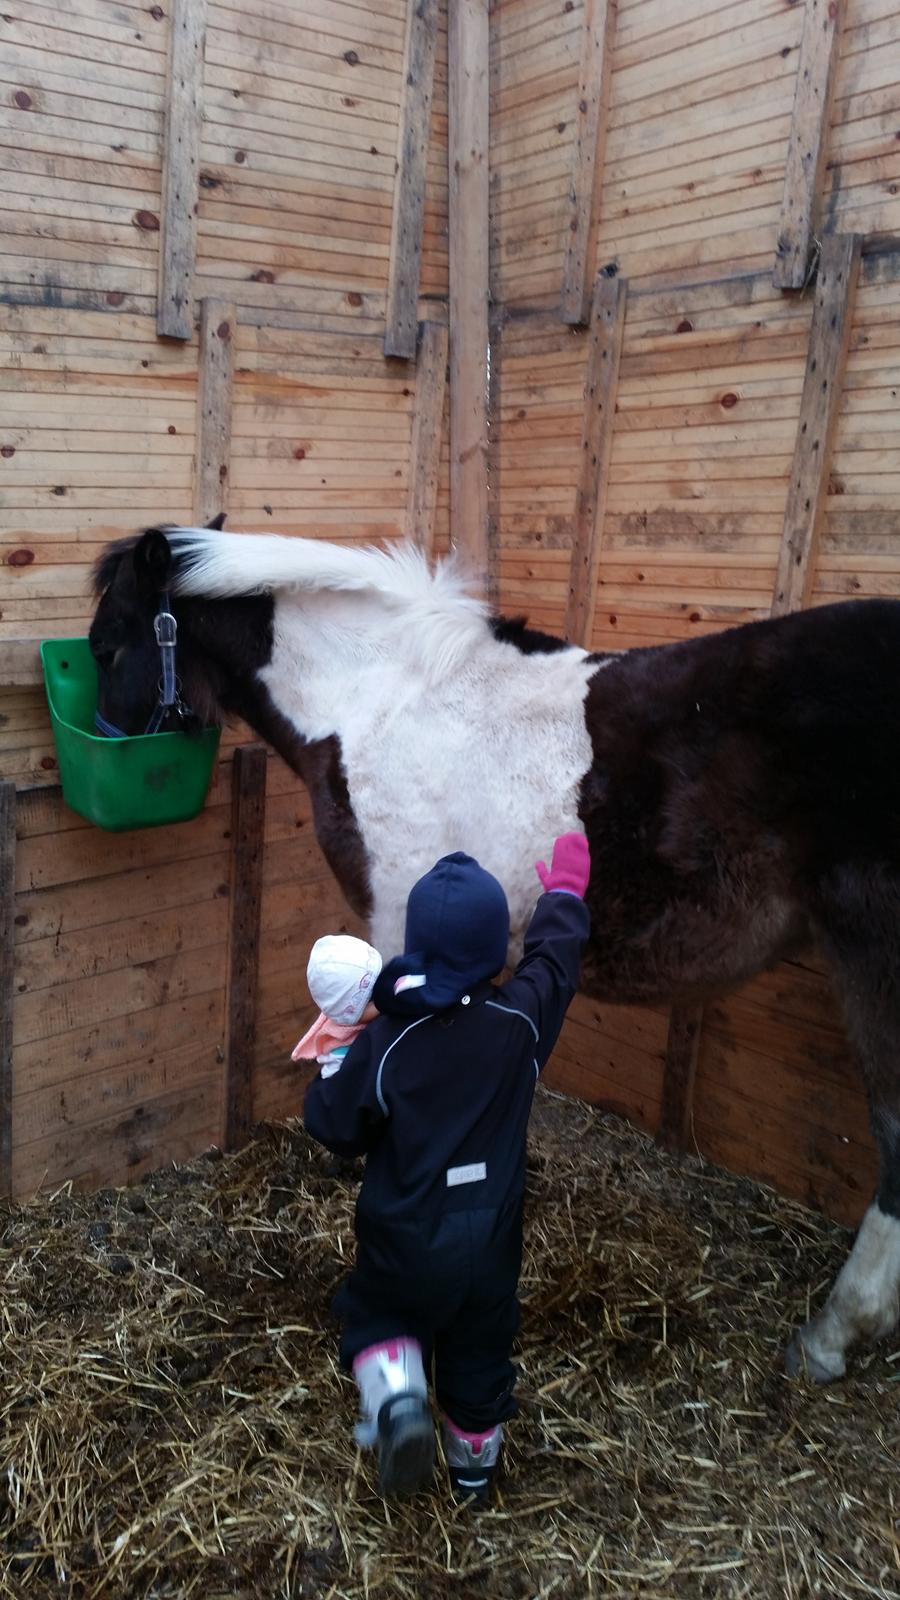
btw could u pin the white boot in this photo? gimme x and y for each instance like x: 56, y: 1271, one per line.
x: 393, y: 1393
x: 472, y: 1461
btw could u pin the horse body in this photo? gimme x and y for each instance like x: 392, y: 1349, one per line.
x: 419, y: 783
x: 739, y: 792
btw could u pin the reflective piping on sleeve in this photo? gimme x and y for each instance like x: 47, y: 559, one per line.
x: 512, y: 1012
x: 537, y: 1070
x: 378, y: 1094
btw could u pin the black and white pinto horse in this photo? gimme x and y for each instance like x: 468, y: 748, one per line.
x: 740, y: 792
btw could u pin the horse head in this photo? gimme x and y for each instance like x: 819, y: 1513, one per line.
x: 135, y: 642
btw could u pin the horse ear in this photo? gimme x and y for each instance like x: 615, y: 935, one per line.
x: 217, y: 523
x: 153, y: 560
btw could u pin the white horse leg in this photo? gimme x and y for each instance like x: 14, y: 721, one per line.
x: 860, y: 924
x: 863, y: 1305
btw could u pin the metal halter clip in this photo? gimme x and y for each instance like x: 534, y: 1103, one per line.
x: 165, y: 629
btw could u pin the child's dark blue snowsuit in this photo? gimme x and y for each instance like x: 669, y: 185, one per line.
x: 436, y: 1093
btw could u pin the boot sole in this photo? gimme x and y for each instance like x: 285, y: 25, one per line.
x: 405, y: 1447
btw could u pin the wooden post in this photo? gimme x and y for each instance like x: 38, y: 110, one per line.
x: 248, y: 819
x: 217, y: 326
x: 7, y: 960
x: 828, y: 338
x: 587, y: 165
x: 428, y: 419
x: 601, y: 380
x: 181, y: 170
x: 409, y: 189
x: 468, y: 164
x: 679, y: 1072
x: 816, y: 71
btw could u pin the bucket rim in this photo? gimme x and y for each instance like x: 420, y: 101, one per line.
x: 102, y: 739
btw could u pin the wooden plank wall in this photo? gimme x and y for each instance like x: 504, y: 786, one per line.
x: 707, y: 416
x: 120, y: 1022
x: 120, y: 976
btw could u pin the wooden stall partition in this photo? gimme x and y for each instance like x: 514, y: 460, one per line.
x: 121, y: 972
x: 708, y: 435
x: 137, y: 1033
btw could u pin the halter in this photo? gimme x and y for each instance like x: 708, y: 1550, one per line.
x: 166, y: 630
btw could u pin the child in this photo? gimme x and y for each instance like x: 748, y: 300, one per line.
x: 437, y: 1092
x: 341, y: 975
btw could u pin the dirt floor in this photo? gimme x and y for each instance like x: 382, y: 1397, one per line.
x: 172, y: 1422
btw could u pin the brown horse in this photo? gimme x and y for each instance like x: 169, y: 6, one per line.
x: 740, y: 792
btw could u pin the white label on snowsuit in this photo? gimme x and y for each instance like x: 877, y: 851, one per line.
x: 475, y: 1173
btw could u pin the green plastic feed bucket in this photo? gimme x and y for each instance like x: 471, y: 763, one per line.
x: 119, y: 783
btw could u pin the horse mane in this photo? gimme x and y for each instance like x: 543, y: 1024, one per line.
x: 106, y: 565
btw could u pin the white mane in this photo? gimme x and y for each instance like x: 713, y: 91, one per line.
x: 432, y: 602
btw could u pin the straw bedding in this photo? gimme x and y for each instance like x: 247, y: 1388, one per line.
x: 172, y: 1423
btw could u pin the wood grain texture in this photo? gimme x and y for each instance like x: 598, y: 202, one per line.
x: 820, y: 402
x: 679, y: 1073
x: 181, y: 170
x: 816, y: 71
x: 214, y: 395
x: 7, y: 902
x: 248, y: 818
x: 408, y: 216
x: 592, y: 104
x: 425, y: 450
x: 601, y: 379
x: 20, y: 664
x: 468, y: 200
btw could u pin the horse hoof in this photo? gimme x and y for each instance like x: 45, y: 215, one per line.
x: 800, y: 1362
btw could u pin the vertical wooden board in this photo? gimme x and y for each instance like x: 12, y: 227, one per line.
x: 468, y: 164
x: 180, y: 174
x: 679, y: 1073
x: 587, y: 161
x: 7, y: 890
x: 408, y: 215
x: 247, y: 836
x: 819, y: 406
x: 214, y: 394
x: 819, y: 46
x: 428, y: 419
x: 604, y: 352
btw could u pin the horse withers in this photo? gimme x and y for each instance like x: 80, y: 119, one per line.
x: 740, y: 792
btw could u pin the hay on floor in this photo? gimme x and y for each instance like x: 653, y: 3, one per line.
x: 173, y: 1424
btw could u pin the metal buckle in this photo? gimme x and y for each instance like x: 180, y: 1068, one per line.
x: 166, y: 629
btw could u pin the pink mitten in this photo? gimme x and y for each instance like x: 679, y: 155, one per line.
x: 570, y: 868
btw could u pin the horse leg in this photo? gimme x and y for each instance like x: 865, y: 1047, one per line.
x: 861, y: 933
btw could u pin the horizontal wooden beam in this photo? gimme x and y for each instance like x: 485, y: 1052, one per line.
x: 581, y: 213
x: 408, y: 219
x: 819, y: 405
x: 181, y: 170
x: 601, y: 381
x: 808, y: 140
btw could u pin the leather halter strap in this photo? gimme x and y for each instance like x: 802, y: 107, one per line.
x: 165, y: 628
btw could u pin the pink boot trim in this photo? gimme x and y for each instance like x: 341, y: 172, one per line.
x: 391, y: 1348
x: 476, y: 1440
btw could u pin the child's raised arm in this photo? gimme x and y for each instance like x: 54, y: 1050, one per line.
x: 546, y: 978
